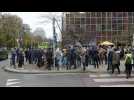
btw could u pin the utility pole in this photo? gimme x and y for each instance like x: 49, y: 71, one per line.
x: 54, y: 42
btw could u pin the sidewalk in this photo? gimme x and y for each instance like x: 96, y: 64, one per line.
x: 33, y: 69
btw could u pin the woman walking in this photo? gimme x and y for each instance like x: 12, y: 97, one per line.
x: 128, y: 64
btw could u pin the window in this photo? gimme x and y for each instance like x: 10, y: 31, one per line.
x: 124, y: 14
x: 93, y: 20
x: 130, y: 19
x: 88, y: 21
x: 99, y: 20
x: 119, y: 20
x: 98, y: 28
x: 103, y: 14
x: 93, y: 14
x: 72, y: 21
x: 103, y: 20
x: 77, y: 21
x: 67, y: 15
x: 109, y: 20
x: 119, y: 14
x: 109, y: 14
x: 67, y: 21
x: 130, y: 14
x: 93, y: 27
x: 114, y: 27
x: 114, y: 14
x: 88, y: 14
x: 88, y: 28
x: 83, y: 21
x: 103, y: 27
x: 82, y: 28
x: 120, y: 27
x: 98, y: 14
x: 77, y: 28
x: 109, y: 27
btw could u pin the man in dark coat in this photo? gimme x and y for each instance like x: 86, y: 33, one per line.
x: 20, y: 59
x: 39, y: 63
x: 26, y: 55
x: 49, y: 57
x: 95, y: 57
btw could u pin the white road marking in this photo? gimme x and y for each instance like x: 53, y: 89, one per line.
x: 107, y: 80
x: 11, y: 82
x: 109, y: 75
x: 101, y: 75
x: 122, y: 85
x: 15, y: 86
x: 111, y: 80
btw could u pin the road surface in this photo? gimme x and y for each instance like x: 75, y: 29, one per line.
x: 8, y: 79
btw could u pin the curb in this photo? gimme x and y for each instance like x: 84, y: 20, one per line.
x: 23, y: 71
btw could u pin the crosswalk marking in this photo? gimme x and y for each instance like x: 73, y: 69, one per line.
x: 122, y: 85
x: 114, y: 80
x: 13, y: 82
x: 109, y: 75
x: 15, y: 86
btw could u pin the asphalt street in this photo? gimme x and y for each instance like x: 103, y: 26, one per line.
x: 9, y: 79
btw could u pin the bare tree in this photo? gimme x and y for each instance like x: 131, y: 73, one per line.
x: 47, y: 18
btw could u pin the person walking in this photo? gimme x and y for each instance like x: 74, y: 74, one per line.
x: 128, y: 64
x: 109, y: 57
x: 20, y: 59
x: 17, y: 54
x: 132, y: 58
x: 115, y: 61
x: 78, y: 57
x: 83, y: 59
x: 49, y: 57
x: 95, y: 57
x: 109, y: 60
x: 30, y: 56
x: 73, y: 57
x: 68, y: 67
x: 57, y: 58
x: 86, y: 58
x: 13, y: 56
x: 64, y: 59
x: 26, y: 55
x: 90, y: 55
x: 39, y: 59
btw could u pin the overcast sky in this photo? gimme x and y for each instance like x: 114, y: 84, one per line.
x: 34, y: 19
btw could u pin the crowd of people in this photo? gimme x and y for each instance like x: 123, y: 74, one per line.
x: 73, y: 57
x: 31, y: 56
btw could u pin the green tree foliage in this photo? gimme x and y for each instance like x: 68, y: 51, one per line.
x: 10, y: 28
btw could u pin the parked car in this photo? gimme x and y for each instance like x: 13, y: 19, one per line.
x: 3, y: 54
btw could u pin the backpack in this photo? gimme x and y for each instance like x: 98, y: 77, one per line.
x: 128, y: 60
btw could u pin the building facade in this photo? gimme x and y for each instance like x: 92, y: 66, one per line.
x: 96, y: 27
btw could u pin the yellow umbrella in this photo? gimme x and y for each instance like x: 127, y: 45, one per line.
x: 107, y: 43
